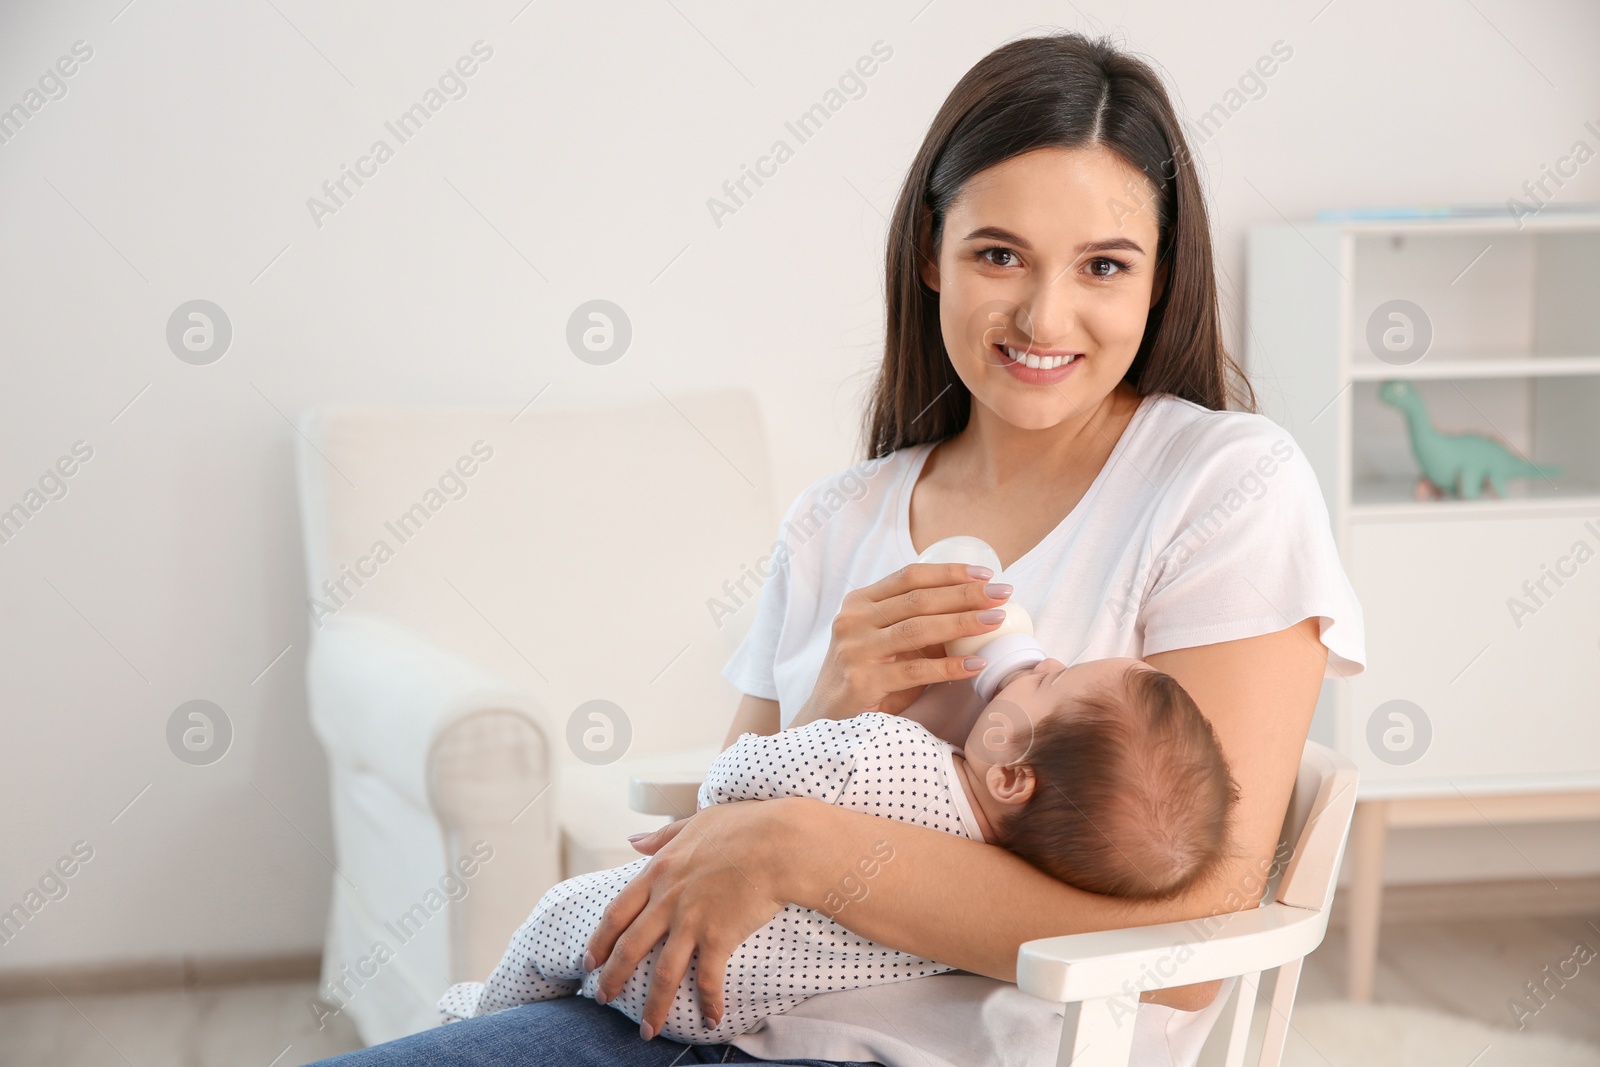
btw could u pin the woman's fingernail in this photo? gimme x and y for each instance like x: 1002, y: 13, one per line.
x: 988, y: 615
x: 588, y: 961
x: 997, y: 589
x: 973, y: 663
x: 639, y: 836
x: 646, y: 1032
x: 980, y: 572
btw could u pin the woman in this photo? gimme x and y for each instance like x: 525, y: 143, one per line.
x: 1053, y: 382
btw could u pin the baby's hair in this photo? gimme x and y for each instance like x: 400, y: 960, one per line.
x: 1132, y: 796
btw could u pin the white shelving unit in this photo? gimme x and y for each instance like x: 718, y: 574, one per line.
x: 1510, y: 698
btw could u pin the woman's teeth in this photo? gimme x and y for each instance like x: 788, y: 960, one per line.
x: 1032, y: 359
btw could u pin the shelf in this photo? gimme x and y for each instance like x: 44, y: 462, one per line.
x: 1525, y: 366
x: 1389, y: 500
x: 1544, y: 222
x: 1548, y: 419
x: 1518, y: 787
x: 1472, y: 613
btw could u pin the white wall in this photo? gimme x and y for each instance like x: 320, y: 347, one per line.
x: 178, y: 166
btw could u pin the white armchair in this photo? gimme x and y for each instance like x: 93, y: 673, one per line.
x: 1090, y: 973
x: 474, y: 577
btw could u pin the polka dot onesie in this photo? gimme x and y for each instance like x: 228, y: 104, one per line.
x: 880, y: 764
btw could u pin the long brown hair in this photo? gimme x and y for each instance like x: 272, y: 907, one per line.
x: 1062, y: 90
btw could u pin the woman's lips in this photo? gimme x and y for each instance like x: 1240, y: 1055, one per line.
x: 1042, y: 375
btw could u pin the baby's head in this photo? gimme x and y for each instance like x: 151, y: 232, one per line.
x: 1106, y: 775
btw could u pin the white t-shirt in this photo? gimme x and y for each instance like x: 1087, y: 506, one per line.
x: 1202, y: 526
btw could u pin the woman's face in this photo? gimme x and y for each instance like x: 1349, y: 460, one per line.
x: 1052, y: 255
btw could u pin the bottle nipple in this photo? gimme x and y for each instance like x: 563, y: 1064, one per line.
x: 1010, y: 648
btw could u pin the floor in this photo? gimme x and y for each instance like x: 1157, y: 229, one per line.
x: 1475, y: 968
x: 1468, y: 968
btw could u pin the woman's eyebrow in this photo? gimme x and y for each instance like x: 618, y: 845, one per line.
x: 1000, y: 233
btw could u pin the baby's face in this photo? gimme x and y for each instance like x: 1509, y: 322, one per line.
x: 1004, y: 728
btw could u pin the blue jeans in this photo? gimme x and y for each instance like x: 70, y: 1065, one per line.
x: 567, y: 1032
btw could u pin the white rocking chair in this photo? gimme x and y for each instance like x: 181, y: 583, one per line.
x: 1087, y: 972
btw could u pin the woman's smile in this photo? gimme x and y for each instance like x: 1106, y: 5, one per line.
x: 1037, y: 366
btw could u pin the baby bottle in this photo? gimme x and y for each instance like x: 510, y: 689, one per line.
x: 1010, y: 648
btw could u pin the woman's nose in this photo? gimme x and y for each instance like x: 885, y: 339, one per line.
x: 1047, y: 314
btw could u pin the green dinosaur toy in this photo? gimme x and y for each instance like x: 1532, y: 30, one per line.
x: 1456, y: 464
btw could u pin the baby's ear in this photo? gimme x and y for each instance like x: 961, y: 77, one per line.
x: 1012, y: 784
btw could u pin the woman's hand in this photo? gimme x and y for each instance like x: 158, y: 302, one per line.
x: 888, y: 639
x: 706, y: 890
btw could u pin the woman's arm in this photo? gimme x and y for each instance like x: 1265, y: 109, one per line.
x: 718, y: 879
x: 754, y: 716
x: 1258, y: 693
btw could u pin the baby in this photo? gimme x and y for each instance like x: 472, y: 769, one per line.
x: 1104, y: 775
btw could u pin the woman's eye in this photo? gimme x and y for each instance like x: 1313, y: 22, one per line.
x: 987, y: 253
x: 1117, y: 263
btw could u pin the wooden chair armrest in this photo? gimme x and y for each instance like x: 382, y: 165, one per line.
x: 1078, y: 967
